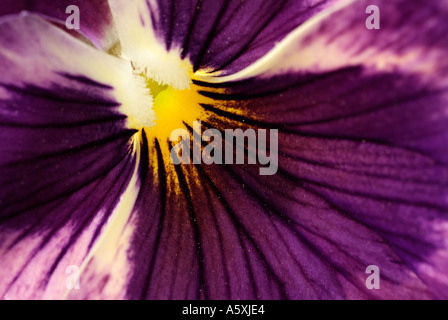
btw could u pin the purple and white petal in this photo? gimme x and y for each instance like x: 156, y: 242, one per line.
x: 410, y: 40
x: 227, y: 36
x: 221, y: 36
x: 363, y: 127
x: 68, y: 154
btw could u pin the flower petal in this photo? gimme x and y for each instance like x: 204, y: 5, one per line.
x: 365, y: 131
x: 229, y: 233
x: 95, y: 17
x: 339, y: 38
x: 223, y: 36
x: 66, y: 152
x: 409, y: 74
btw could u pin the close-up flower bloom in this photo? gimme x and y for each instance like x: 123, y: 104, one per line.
x: 355, y: 119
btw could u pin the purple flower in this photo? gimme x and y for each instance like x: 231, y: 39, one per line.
x: 87, y: 182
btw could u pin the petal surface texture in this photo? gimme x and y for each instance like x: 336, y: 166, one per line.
x: 66, y: 152
x: 214, y: 35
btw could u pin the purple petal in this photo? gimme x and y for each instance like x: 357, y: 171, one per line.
x: 218, y: 35
x: 339, y: 38
x: 393, y: 91
x: 231, y: 234
x: 66, y: 153
x: 364, y: 133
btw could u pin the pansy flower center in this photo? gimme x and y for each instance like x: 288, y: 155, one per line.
x: 176, y: 101
x: 173, y: 108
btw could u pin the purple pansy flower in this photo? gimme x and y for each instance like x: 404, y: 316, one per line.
x: 86, y: 177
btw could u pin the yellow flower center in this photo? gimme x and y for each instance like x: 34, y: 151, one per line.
x: 175, y: 105
x: 173, y: 109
